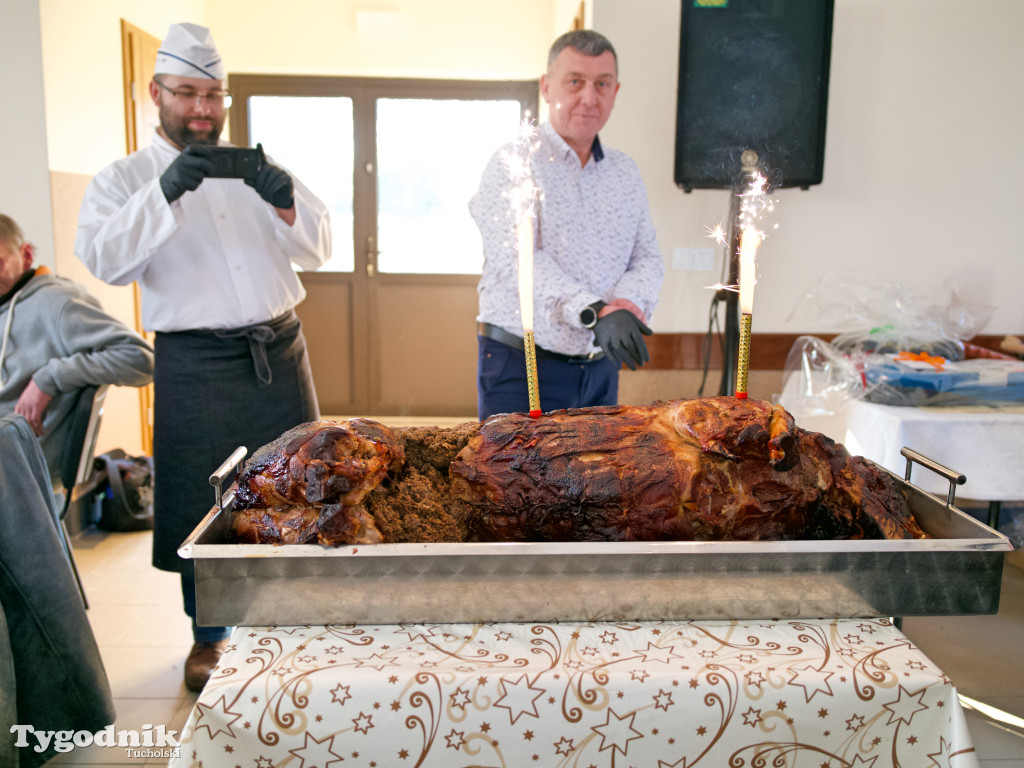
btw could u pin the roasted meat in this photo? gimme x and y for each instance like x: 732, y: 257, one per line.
x: 309, y: 485
x: 713, y: 469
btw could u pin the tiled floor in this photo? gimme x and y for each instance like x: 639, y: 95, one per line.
x: 143, y: 635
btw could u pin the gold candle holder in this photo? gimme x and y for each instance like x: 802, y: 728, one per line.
x: 530, y: 347
x: 743, y: 361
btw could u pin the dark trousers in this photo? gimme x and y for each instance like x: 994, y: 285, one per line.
x: 501, y: 381
x: 215, y: 391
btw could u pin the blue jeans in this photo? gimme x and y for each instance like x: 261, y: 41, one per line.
x: 199, y: 634
x: 501, y: 381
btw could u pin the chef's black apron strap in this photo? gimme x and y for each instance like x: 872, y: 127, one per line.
x: 258, y: 336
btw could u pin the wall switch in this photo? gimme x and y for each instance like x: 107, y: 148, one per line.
x: 694, y: 259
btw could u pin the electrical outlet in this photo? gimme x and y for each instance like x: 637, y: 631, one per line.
x: 693, y: 259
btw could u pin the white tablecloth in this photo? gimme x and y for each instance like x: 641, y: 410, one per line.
x: 649, y: 695
x: 985, y: 444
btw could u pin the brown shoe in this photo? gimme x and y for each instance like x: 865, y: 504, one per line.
x: 200, y: 663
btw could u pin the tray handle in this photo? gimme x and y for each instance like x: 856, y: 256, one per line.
x: 955, y: 478
x: 220, y: 474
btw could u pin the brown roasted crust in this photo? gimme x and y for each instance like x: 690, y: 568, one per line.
x: 309, y: 484
x: 716, y: 469
x: 319, y: 462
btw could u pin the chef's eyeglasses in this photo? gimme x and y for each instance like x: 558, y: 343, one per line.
x: 216, y: 98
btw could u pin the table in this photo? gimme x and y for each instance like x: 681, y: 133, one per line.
x: 816, y: 693
x: 985, y: 444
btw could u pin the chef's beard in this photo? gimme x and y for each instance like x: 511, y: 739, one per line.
x: 176, y: 128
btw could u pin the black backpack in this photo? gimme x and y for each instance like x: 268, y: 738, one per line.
x: 126, y: 497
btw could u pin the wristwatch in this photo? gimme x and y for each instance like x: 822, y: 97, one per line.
x: 588, y: 317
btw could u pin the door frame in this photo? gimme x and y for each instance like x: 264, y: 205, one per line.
x: 365, y: 282
x: 137, y: 63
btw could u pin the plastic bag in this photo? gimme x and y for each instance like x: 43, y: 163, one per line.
x: 897, y: 346
x: 819, y: 380
x: 871, y: 314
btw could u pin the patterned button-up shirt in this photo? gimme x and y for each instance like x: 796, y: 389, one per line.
x: 593, y: 240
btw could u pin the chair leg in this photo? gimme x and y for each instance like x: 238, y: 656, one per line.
x: 71, y: 561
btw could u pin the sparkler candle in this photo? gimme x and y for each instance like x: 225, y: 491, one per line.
x: 522, y: 196
x: 524, y: 236
x: 755, y: 202
x: 749, y: 240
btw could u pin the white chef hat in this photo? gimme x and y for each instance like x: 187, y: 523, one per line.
x: 188, y: 50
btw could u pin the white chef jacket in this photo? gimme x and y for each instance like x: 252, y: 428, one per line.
x: 218, y: 257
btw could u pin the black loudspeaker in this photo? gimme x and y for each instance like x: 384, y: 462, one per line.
x: 753, y: 74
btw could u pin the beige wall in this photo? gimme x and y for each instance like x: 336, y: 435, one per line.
x: 490, y: 39
x: 922, y: 163
x: 83, y: 73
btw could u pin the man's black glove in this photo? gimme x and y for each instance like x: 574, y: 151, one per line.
x: 275, y: 186
x: 186, y: 172
x: 621, y: 335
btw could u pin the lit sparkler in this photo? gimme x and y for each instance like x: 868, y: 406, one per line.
x: 522, y: 197
x: 755, y: 203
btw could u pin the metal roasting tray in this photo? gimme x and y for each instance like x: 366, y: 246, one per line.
x: 957, y: 572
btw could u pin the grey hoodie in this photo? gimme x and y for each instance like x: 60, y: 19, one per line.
x: 56, y: 334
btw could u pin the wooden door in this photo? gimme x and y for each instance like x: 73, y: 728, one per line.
x: 391, y: 322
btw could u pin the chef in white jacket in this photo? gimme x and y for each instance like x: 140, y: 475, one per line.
x: 214, y: 259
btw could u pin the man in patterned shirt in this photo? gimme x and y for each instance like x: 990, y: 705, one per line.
x: 597, y: 266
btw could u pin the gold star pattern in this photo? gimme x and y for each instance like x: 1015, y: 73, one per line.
x: 548, y: 692
x: 663, y: 700
x: 340, y: 694
x: 752, y: 717
x: 216, y: 718
x: 455, y: 740
x: 363, y: 723
x: 564, y: 746
x: 617, y: 732
x: 460, y: 698
x: 316, y: 752
x: 907, y: 705
x: 811, y: 680
x: 519, y: 697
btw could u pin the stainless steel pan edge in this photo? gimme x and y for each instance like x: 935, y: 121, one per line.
x: 958, y: 572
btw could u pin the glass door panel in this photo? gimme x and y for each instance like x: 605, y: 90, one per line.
x: 313, y: 137
x: 430, y: 155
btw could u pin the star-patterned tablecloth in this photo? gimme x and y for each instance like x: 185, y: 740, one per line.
x: 815, y: 693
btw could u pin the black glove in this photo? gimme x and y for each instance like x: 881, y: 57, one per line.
x: 275, y: 186
x: 621, y: 335
x: 186, y: 172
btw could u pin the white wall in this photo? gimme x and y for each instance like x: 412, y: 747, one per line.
x: 25, y: 191
x: 923, y: 153
x: 923, y: 157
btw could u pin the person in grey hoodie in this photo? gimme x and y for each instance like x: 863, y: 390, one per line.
x: 56, y: 339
